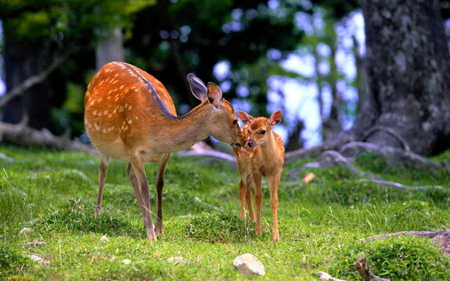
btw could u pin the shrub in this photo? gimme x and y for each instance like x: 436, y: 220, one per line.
x: 11, y: 260
x: 398, y: 258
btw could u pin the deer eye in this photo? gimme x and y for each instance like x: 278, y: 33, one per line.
x: 235, y: 122
x: 263, y: 132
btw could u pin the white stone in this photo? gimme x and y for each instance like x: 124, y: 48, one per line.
x: 35, y: 243
x: 104, y: 238
x: 25, y: 229
x: 38, y: 258
x: 248, y: 264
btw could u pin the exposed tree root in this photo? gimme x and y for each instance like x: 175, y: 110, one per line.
x: 334, y: 158
x: 441, y: 238
x: 204, y: 150
x: 394, y: 156
x: 388, y: 131
x: 348, y: 147
x: 400, y: 186
x: 315, y: 151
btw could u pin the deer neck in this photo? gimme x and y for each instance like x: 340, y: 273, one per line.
x: 185, y: 130
x: 268, y: 148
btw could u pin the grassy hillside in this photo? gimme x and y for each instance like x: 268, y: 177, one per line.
x: 321, y: 223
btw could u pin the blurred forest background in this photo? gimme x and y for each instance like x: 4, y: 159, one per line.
x: 376, y: 70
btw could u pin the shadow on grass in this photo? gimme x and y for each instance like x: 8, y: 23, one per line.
x: 77, y: 217
x: 219, y: 228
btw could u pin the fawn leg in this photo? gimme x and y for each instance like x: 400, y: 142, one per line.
x: 159, y: 188
x: 273, y: 187
x: 103, y: 170
x: 249, y: 198
x: 258, y: 198
x: 242, y: 191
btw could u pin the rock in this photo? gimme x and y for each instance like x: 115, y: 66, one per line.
x: 104, y: 238
x: 35, y: 243
x: 25, y: 229
x: 177, y: 260
x: 38, y: 258
x: 248, y: 264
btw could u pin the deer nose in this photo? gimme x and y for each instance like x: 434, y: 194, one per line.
x: 250, y: 143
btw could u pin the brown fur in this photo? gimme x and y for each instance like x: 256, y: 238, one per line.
x: 130, y: 115
x: 263, y: 155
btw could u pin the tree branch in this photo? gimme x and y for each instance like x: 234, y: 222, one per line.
x: 34, y: 80
x: 25, y: 136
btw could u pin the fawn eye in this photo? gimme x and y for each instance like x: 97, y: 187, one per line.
x: 235, y: 122
x: 263, y: 132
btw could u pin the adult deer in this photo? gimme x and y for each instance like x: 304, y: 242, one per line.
x: 263, y: 155
x: 130, y: 115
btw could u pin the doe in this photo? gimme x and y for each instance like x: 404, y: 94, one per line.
x: 130, y: 115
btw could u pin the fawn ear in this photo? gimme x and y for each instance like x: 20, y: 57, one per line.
x: 275, y: 118
x: 197, y: 86
x: 245, y: 117
x: 214, y: 95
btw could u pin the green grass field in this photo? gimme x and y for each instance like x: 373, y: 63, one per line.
x: 322, y: 224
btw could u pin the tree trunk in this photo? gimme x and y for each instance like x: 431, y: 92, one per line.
x: 360, y: 75
x: 408, y: 76
x: 23, y: 60
x: 331, y: 125
x: 110, y: 49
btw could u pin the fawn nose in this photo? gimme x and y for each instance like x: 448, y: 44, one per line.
x: 250, y: 143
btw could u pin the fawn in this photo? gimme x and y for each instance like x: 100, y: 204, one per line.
x: 263, y: 155
x: 130, y: 115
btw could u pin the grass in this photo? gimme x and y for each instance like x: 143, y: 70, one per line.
x: 322, y: 224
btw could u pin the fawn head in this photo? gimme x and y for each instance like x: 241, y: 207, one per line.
x: 223, y: 123
x: 256, y: 130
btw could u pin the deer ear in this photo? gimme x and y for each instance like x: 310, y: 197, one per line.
x: 245, y: 117
x: 197, y: 87
x: 214, y: 95
x: 275, y: 118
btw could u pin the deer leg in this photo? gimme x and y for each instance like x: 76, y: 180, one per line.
x: 242, y: 192
x: 159, y: 188
x: 258, y: 198
x: 273, y: 187
x: 103, y: 170
x: 249, y: 199
x: 138, y: 168
x: 137, y: 193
